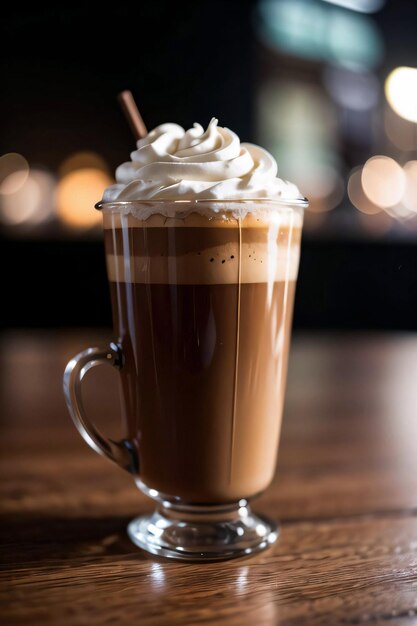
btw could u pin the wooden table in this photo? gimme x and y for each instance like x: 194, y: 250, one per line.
x: 345, y: 492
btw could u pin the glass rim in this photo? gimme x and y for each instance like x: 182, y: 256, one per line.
x: 301, y: 202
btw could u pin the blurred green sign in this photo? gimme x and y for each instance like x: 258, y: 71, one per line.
x: 316, y: 30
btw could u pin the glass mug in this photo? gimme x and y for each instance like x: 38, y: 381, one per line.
x: 202, y: 295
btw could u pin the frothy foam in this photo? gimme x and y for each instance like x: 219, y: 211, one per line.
x: 200, y: 251
x: 218, y: 265
x: 205, y: 215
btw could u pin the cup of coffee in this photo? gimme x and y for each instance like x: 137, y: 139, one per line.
x: 202, y: 294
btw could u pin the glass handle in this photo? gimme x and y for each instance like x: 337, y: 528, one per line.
x: 123, y: 452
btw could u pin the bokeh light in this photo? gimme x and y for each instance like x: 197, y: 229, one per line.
x: 32, y: 203
x: 323, y: 186
x: 363, y: 6
x: 14, y: 170
x: 400, y: 212
x: 357, y: 195
x: 78, y: 192
x: 84, y: 176
x: 315, y: 30
x: 383, y: 181
x: 410, y: 194
x: 86, y: 159
x: 401, y: 92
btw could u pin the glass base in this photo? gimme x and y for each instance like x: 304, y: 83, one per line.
x: 202, y: 533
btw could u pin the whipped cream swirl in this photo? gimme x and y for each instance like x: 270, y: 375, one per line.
x: 173, y: 164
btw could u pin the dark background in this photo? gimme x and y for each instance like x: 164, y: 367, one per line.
x: 61, y: 69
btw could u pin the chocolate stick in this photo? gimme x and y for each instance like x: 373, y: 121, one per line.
x: 132, y: 114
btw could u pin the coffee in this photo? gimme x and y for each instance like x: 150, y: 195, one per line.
x: 202, y: 243
x: 203, y: 310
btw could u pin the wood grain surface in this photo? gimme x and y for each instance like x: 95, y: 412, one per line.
x: 345, y: 492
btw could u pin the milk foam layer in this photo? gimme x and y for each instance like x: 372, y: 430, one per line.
x: 255, y: 250
x: 218, y: 265
x: 173, y: 164
x: 256, y: 215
